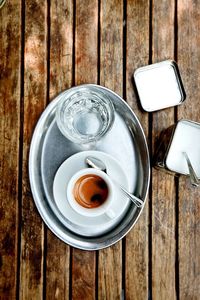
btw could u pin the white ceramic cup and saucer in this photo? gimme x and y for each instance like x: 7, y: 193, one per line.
x: 104, y: 208
x: 115, y: 207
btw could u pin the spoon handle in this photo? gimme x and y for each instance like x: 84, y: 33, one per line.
x: 193, y: 177
x: 134, y: 199
x: 98, y: 164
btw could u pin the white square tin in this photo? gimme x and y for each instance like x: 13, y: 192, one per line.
x: 182, y: 137
x: 159, y: 86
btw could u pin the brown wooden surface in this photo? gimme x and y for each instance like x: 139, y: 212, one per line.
x: 189, y: 198
x: 46, y: 47
x: 137, y: 54
x: 163, y: 185
x: 34, y: 100
x: 10, y: 37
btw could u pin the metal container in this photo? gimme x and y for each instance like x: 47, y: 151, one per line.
x: 159, y: 85
x: 125, y: 141
x: 173, y: 142
x: 2, y: 2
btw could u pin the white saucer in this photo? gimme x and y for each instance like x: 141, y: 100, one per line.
x: 90, y: 225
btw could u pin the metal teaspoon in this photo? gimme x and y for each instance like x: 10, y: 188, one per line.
x: 99, y: 164
x: 193, y: 177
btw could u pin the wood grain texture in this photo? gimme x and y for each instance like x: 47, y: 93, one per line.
x: 10, y: 47
x: 31, y: 268
x: 137, y: 55
x: 111, y: 76
x: 86, y: 35
x: 163, y: 191
x: 110, y: 272
x: 86, y: 32
x: 189, y: 197
x: 111, y: 43
x: 137, y: 52
x: 61, y: 45
x: 57, y: 268
x: 83, y: 274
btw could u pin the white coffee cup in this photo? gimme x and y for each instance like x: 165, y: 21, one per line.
x: 105, y: 208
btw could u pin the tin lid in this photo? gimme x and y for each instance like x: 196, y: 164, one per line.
x: 159, y: 85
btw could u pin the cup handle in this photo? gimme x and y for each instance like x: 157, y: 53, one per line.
x: 110, y: 213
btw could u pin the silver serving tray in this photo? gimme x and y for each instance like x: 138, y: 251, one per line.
x: 49, y: 148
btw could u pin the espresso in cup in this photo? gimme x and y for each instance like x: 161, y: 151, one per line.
x: 90, y: 191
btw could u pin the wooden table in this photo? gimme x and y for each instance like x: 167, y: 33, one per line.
x: 49, y: 46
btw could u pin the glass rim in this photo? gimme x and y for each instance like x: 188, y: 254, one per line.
x: 106, y: 102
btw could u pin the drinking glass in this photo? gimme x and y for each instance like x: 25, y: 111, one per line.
x: 85, y: 114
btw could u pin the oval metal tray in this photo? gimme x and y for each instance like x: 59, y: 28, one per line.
x: 125, y: 141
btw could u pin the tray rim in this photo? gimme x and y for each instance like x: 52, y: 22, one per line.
x: 41, y: 208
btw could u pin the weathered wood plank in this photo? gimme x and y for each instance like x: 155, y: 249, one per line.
x: 189, y: 198
x: 137, y: 55
x: 86, y: 32
x: 10, y: 46
x: 57, y: 268
x: 61, y: 44
x: 83, y: 262
x: 83, y: 274
x: 31, y: 276
x: 163, y: 191
x: 110, y: 273
x: 111, y: 43
x: 111, y: 76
